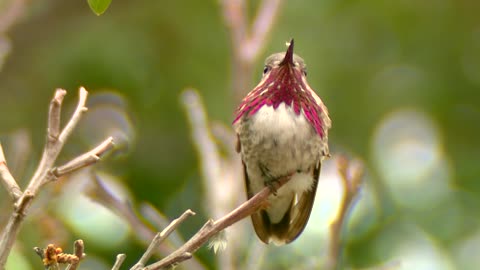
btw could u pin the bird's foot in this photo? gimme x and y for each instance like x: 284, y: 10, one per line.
x: 271, y: 184
x: 275, y: 183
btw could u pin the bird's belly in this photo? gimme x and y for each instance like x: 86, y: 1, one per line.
x: 277, y: 142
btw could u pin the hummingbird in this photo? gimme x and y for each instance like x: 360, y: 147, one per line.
x: 282, y: 130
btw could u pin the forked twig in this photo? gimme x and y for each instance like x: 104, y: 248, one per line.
x: 211, y: 227
x: 160, y: 237
x: 56, y: 139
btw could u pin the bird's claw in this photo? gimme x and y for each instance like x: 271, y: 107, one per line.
x: 271, y: 185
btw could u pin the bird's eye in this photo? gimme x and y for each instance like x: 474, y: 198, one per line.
x: 305, y: 72
x: 266, y: 69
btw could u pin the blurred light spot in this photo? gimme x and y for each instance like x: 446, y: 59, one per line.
x: 96, y: 224
x: 108, y: 116
x: 466, y: 252
x: 408, y: 153
x: 412, y: 249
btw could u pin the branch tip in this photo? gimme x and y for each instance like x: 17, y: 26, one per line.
x: 119, y: 261
x: 59, y: 95
x: 85, y: 159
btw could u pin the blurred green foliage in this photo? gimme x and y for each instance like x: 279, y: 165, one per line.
x: 366, y: 59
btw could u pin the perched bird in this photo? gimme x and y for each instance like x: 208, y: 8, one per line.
x: 282, y: 129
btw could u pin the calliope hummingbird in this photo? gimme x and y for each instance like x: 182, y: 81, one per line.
x: 282, y: 129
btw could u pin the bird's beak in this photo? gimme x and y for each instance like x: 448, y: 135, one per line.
x: 288, y: 59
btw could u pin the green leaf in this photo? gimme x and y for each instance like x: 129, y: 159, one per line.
x: 99, y: 6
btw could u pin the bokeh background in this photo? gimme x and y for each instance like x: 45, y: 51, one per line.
x: 401, y: 80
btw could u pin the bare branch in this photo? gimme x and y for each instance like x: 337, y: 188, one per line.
x: 206, y: 148
x: 85, y: 159
x: 53, y: 129
x: 7, y: 179
x: 159, y: 221
x: 119, y: 261
x: 225, y: 136
x: 247, y: 39
x: 150, y: 213
x: 159, y: 237
x: 261, y: 27
x: 50, y: 153
x: 235, y: 19
x: 211, y: 227
x: 102, y: 195
x: 82, y: 99
x: 351, y: 186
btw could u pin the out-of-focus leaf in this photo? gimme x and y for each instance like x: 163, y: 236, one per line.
x: 99, y: 6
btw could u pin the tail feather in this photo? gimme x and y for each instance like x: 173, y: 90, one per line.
x: 293, y: 222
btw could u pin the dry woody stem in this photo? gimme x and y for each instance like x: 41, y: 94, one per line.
x: 84, y: 160
x: 160, y: 237
x: 7, y: 179
x: 207, y: 149
x: 44, y: 173
x: 119, y: 261
x: 247, y: 38
x: 100, y: 193
x: 212, y: 227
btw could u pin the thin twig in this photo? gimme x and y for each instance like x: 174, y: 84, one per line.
x: 207, y: 150
x: 160, y: 237
x: 235, y: 19
x: 351, y: 186
x: 119, y: 261
x: 85, y: 159
x: 159, y: 221
x: 262, y: 24
x: 82, y: 99
x: 103, y: 196
x: 7, y: 179
x: 211, y: 227
x: 53, y: 128
x: 225, y: 137
x: 247, y: 39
